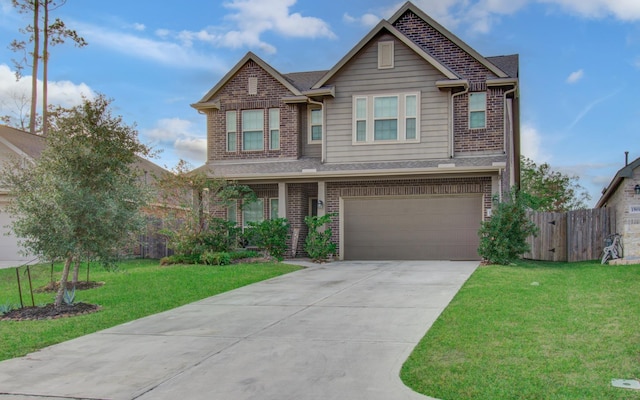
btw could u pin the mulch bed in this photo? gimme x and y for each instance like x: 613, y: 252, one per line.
x: 48, y: 311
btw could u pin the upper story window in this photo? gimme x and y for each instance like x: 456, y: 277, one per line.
x: 385, y: 55
x: 231, y: 131
x: 274, y: 128
x: 392, y: 118
x: 252, y: 130
x: 315, y: 124
x: 477, y: 110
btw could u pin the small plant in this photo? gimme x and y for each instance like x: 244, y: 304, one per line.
x: 69, y: 297
x: 318, y: 243
x: 216, y: 258
x: 270, y: 235
x: 503, y: 238
x: 5, y: 308
x: 238, y: 255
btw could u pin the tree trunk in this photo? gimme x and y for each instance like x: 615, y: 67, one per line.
x: 76, y: 271
x: 63, y: 281
x: 45, y: 67
x: 34, y: 71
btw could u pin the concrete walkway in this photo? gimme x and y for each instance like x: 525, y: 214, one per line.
x: 336, y: 331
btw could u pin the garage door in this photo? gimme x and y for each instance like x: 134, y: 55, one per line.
x: 8, y: 244
x: 424, y: 228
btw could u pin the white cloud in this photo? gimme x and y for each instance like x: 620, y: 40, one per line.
x: 178, y: 134
x: 139, y: 27
x: 530, y: 143
x: 575, y: 76
x: 162, y: 51
x: 251, y: 19
x: 192, y: 150
x: 625, y: 10
x: 368, y: 19
x: 15, y: 94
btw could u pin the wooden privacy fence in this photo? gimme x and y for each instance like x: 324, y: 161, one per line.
x: 570, y: 236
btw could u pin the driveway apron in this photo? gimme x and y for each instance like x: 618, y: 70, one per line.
x: 334, y: 331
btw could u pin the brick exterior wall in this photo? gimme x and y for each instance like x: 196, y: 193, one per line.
x: 235, y: 96
x: 405, y: 187
x: 487, y: 140
x: 627, y: 223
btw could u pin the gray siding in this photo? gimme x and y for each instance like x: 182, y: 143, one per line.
x: 362, y: 76
x: 308, y: 150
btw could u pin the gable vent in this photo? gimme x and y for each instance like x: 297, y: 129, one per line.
x: 385, y: 55
x: 253, y: 85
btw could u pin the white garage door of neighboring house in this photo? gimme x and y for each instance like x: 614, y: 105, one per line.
x: 416, y: 228
x: 9, y: 249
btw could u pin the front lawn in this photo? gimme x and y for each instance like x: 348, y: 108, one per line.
x: 534, y: 331
x: 136, y: 289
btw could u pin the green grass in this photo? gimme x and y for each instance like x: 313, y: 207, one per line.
x: 534, y: 331
x: 138, y: 288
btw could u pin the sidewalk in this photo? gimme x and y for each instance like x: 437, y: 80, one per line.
x: 336, y: 331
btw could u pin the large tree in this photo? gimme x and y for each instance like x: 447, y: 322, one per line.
x: 83, y: 195
x: 543, y: 189
x: 40, y: 32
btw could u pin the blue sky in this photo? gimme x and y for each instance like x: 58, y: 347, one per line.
x: 579, y: 64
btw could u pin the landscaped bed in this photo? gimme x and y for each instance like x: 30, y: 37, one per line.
x: 135, y: 289
x: 534, y: 331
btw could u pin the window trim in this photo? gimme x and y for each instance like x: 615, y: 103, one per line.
x: 244, y: 131
x: 228, y: 132
x: 402, y: 117
x: 311, y: 125
x: 483, y: 110
x: 273, y: 129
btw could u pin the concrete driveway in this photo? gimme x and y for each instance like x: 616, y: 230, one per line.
x: 336, y: 331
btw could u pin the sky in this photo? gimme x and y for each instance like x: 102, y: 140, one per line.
x: 579, y: 64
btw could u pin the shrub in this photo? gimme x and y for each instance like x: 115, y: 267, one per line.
x: 318, y: 243
x: 503, y: 238
x: 238, y: 255
x: 180, y: 259
x: 217, y: 235
x: 216, y: 258
x: 270, y: 235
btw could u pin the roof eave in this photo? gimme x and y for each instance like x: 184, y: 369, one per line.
x: 392, y: 30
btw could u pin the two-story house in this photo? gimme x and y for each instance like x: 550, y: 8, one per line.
x: 406, y: 139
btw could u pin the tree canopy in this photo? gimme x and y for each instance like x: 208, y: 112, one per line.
x: 543, y: 189
x: 83, y: 194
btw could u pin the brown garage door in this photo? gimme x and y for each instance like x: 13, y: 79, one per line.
x: 425, y: 228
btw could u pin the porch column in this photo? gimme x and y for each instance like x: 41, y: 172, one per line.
x: 322, y: 190
x: 283, y: 194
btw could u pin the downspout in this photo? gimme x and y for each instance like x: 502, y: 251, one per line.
x: 504, y: 130
x: 453, y: 116
x: 323, y: 145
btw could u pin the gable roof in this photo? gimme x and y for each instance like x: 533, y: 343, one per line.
x: 382, y: 26
x: 625, y: 172
x: 24, y: 144
x: 408, y: 6
x: 206, y: 102
x: 30, y: 146
x: 508, y: 63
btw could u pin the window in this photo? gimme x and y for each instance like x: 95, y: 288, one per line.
x: 253, y: 212
x: 477, y: 110
x: 273, y: 208
x: 313, y: 207
x: 274, y: 128
x: 232, y: 213
x: 231, y: 131
x: 252, y: 130
x: 385, y: 55
x: 315, y: 124
x: 386, y: 118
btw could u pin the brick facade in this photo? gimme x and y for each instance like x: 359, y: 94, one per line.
x: 628, y: 222
x: 234, y: 96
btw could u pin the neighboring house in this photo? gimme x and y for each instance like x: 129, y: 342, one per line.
x: 406, y: 139
x: 18, y: 144
x: 623, y: 194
